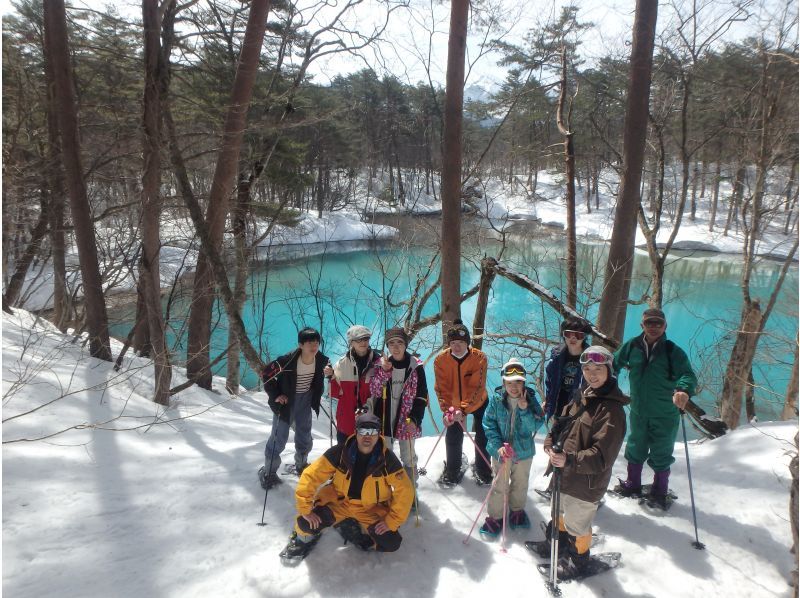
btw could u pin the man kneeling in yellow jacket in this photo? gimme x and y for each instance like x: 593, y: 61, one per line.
x: 368, y: 485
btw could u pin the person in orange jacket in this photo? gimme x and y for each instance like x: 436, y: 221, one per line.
x: 460, y: 382
x: 369, y: 494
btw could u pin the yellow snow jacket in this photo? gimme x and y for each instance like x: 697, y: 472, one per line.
x: 387, y: 489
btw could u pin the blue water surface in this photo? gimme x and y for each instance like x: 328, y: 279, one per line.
x: 335, y: 290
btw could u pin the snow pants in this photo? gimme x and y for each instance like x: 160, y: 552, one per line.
x: 300, y: 419
x: 334, y: 512
x: 515, y: 484
x: 454, y: 442
x: 652, y: 439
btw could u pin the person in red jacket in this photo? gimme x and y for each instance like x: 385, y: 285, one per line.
x: 350, y: 378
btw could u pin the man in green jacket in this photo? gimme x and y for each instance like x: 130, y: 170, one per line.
x: 662, y: 380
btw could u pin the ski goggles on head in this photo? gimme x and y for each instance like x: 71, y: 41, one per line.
x: 574, y: 334
x: 367, y: 431
x: 596, y: 357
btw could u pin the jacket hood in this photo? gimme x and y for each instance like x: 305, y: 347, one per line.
x: 608, y: 392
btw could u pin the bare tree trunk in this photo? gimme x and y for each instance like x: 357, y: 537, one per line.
x: 55, y: 19
x: 613, y: 305
x: 141, y: 332
x: 151, y: 201
x: 715, y: 195
x: 38, y: 233
x: 695, y: 181
x: 569, y: 159
x: 793, y: 511
x: 736, y: 198
x: 55, y: 177
x: 790, y: 404
x: 451, y: 165
x: 739, y: 365
x: 239, y: 290
x: 750, y: 397
x: 488, y: 274
x: 221, y: 186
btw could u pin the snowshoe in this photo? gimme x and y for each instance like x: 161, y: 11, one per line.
x: 541, y: 548
x: 350, y: 530
x: 294, y: 469
x: 482, y: 478
x: 450, y: 479
x: 268, y: 480
x: 491, y: 528
x: 519, y: 520
x: 592, y: 565
x: 296, y: 550
x: 658, y: 501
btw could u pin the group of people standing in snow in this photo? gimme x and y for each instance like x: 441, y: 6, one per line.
x: 363, y: 489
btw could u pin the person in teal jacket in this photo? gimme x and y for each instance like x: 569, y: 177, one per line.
x: 662, y: 380
x: 510, y: 422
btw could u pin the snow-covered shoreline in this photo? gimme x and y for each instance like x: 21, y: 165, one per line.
x: 169, y: 507
x: 341, y: 231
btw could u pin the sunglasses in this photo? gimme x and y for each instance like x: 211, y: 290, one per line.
x: 574, y: 334
x: 514, y: 371
x: 361, y: 340
x: 368, y: 431
x: 658, y: 323
x: 595, y: 357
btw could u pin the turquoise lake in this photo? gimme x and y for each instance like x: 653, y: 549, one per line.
x: 335, y: 290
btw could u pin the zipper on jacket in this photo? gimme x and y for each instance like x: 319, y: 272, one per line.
x: 377, y: 492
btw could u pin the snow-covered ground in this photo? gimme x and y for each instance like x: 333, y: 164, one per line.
x: 120, y: 497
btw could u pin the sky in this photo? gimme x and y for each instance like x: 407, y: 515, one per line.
x: 416, y: 35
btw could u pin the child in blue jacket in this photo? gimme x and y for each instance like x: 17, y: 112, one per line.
x: 510, y: 422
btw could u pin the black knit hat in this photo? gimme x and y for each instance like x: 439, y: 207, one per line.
x: 458, y: 332
x: 308, y: 334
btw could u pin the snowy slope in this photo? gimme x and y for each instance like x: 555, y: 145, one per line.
x: 170, y: 506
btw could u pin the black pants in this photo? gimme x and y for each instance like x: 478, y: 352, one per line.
x: 386, y: 542
x: 454, y: 441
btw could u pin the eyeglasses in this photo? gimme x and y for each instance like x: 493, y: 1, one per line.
x: 654, y: 323
x: 514, y: 371
x: 368, y: 431
x: 574, y: 334
x: 595, y: 357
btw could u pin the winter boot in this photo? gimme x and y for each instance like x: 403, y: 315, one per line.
x: 660, y: 489
x: 482, y: 477
x: 519, y: 519
x: 574, y: 563
x: 563, y: 537
x: 350, y: 530
x: 299, y: 546
x: 491, y: 528
x: 633, y: 485
x: 268, y: 480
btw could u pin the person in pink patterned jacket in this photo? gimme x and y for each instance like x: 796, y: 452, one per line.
x: 399, y: 396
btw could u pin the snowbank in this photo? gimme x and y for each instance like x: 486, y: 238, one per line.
x: 169, y: 507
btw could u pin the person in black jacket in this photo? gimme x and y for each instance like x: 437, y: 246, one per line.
x: 294, y: 383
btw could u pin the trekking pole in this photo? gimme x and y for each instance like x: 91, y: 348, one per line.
x: 555, y: 528
x: 477, y: 448
x: 483, y: 505
x: 413, y: 474
x: 271, y: 461
x: 506, y: 490
x: 423, y: 470
x: 697, y: 543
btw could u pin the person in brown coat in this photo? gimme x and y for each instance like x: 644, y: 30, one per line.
x: 584, y: 443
